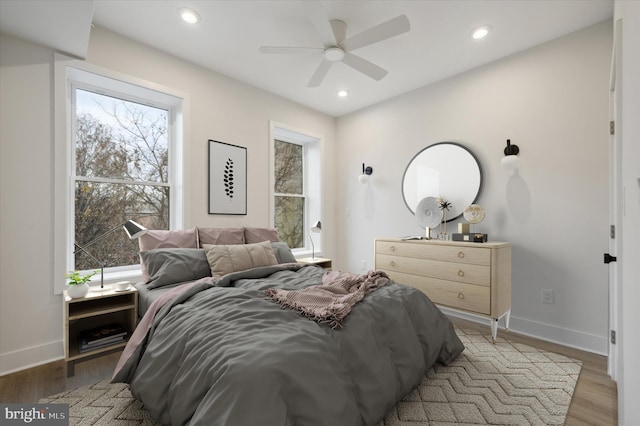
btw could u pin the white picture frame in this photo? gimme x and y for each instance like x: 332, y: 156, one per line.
x: 227, y: 179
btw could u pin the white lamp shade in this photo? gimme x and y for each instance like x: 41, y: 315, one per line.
x: 510, y: 162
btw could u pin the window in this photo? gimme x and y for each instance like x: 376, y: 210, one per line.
x: 289, y: 197
x: 124, y: 153
x: 296, y: 186
x: 120, y: 170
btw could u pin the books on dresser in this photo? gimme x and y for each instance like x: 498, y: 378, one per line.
x: 100, y: 337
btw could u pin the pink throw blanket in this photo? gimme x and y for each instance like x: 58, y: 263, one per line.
x: 332, y: 300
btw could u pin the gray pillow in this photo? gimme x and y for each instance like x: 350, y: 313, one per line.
x: 174, y: 265
x: 283, y: 252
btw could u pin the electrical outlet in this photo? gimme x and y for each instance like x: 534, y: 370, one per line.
x: 547, y: 295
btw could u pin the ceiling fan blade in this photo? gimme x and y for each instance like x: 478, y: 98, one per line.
x: 320, y: 73
x: 388, y: 29
x: 339, y: 30
x: 319, y: 19
x: 288, y: 50
x: 364, y: 66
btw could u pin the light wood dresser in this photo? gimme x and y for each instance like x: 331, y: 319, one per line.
x: 472, y: 277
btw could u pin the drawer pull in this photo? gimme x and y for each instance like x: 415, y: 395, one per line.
x: 461, y: 295
x: 392, y: 263
x: 460, y: 254
x: 461, y: 273
x: 392, y: 248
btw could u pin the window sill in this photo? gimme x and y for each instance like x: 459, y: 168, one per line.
x: 132, y: 275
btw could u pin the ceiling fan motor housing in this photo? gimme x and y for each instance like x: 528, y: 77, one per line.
x: 334, y: 54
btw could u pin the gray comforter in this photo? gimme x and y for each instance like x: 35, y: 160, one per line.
x: 228, y: 356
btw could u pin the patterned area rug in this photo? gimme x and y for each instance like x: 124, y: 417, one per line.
x: 503, y: 384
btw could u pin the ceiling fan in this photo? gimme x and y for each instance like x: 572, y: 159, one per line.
x: 338, y: 48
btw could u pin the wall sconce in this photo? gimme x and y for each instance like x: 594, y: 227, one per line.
x: 366, y: 172
x: 317, y: 227
x: 510, y: 161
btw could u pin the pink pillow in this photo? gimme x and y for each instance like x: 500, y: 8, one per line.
x: 160, y: 238
x: 258, y: 235
x: 181, y: 238
x: 220, y: 236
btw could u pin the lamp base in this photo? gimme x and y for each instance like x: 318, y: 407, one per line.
x: 98, y: 289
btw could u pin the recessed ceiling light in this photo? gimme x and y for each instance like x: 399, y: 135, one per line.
x: 189, y: 15
x: 343, y: 93
x: 480, y: 32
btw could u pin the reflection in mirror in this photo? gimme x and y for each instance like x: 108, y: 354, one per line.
x: 443, y: 170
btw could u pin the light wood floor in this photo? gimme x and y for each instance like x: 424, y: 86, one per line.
x: 594, y: 401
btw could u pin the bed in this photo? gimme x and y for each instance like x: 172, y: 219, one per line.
x: 215, y: 350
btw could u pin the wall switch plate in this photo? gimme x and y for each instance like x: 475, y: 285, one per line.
x: 547, y: 295
x: 363, y: 265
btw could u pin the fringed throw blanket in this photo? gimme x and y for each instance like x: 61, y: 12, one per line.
x: 331, y: 301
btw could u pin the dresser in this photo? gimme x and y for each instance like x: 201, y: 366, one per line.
x: 471, y: 277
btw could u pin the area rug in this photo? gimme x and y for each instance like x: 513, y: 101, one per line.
x: 505, y: 383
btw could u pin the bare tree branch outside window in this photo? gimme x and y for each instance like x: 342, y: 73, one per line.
x: 289, y: 193
x: 121, y: 173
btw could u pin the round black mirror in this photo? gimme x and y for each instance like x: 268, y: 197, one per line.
x: 445, y: 170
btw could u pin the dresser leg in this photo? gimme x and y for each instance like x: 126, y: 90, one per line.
x: 506, y: 320
x: 494, y: 329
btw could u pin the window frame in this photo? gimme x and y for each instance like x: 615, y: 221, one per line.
x: 312, y: 180
x: 70, y: 75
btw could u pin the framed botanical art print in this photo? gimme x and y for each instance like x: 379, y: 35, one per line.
x: 227, y: 178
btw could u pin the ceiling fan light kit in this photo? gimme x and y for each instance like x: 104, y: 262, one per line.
x: 337, y: 47
x: 333, y: 54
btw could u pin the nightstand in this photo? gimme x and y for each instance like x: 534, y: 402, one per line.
x: 319, y: 261
x: 99, y: 308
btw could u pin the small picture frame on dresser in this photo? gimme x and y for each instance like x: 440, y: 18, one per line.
x: 471, y: 238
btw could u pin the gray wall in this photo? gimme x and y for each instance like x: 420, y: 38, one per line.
x: 552, y: 101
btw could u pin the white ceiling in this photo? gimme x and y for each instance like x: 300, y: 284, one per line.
x: 438, y: 46
x: 64, y: 25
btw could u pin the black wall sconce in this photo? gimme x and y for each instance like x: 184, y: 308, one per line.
x: 510, y: 161
x: 366, y: 172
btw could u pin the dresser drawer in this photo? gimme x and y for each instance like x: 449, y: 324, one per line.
x: 460, y: 272
x: 458, y: 295
x: 471, y: 254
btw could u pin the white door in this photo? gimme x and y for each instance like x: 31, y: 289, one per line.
x: 615, y: 199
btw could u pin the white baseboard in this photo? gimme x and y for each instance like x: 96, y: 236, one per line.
x: 12, y: 362
x: 23, y: 359
x: 550, y: 333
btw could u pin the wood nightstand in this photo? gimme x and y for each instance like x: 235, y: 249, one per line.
x: 99, y: 308
x: 323, y: 262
